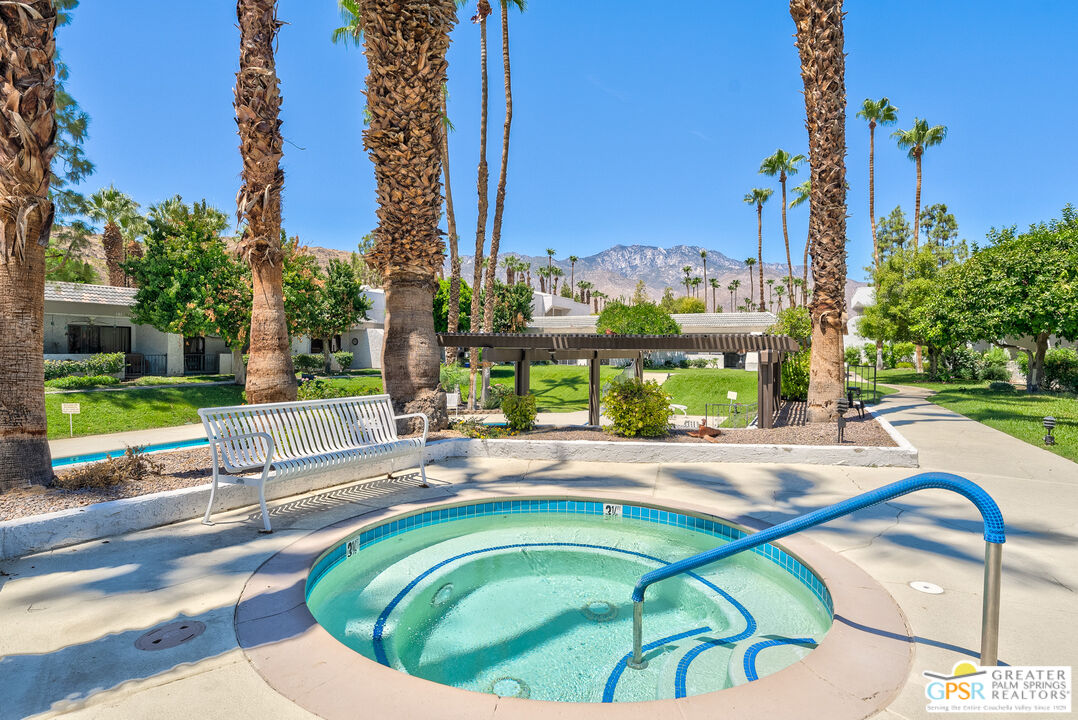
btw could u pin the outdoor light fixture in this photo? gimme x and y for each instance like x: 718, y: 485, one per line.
x: 1049, y: 425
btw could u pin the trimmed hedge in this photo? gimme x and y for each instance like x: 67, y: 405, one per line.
x: 76, y: 382
x: 100, y: 364
x: 343, y: 358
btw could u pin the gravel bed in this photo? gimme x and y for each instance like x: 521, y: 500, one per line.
x: 190, y: 467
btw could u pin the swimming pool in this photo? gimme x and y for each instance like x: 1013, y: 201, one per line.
x: 99, y: 456
x: 530, y: 598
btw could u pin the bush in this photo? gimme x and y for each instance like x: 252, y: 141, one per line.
x: 452, y: 377
x: 699, y: 362
x: 905, y: 365
x: 996, y: 373
x: 99, y: 364
x: 794, y: 322
x: 319, y: 390
x: 495, y: 395
x: 994, y: 357
x: 682, y: 363
x: 305, y: 362
x: 565, y: 291
x: 75, y: 382
x: 795, y: 375
x: 641, y: 319
x: 476, y: 428
x: 1000, y: 386
x: 343, y: 358
x: 638, y: 409
x: 869, y: 350
x: 852, y: 356
x: 519, y: 411
x: 960, y: 363
x: 1061, y: 370
x: 903, y: 352
x: 1023, y: 363
x: 132, y: 466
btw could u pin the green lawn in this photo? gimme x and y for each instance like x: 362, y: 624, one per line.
x: 695, y: 387
x: 907, y: 376
x: 557, y: 388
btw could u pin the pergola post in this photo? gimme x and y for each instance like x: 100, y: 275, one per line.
x: 639, y: 367
x: 593, y: 391
x: 765, y: 390
x: 522, y: 376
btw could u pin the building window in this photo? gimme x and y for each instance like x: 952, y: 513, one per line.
x: 89, y: 339
x: 317, y: 344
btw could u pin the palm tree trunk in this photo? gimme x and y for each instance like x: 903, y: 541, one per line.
x: 453, y: 321
x: 27, y: 134
x: 113, y: 242
x: 751, y: 286
x: 405, y: 45
x: 917, y: 207
x: 786, y: 239
x: 483, y: 11
x: 499, y: 196
x: 270, y: 375
x: 820, y: 46
x: 872, y: 192
x: 760, y: 247
x: 705, y: 285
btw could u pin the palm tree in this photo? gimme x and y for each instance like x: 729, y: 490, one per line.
x: 735, y: 284
x: 782, y: 164
x: 550, y: 252
x: 406, y: 42
x: 453, y: 319
x: 915, y: 140
x: 507, y: 263
x: 757, y: 197
x: 801, y: 195
x: 749, y: 263
x: 556, y: 273
x: 572, y: 270
x: 27, y: 132
x: 270, y: 375
x: 114, y: 209
x: 544, y: 276
x: 714, y: 282
x: 499, y: 196
x: 526, y: 268
x: 823, y: 73
x: 696, y: 286
x: 703, y: 259
x: 482, y: 11
x: 799, y: 286
x: 877, y: 112
x: 780, y: 291
x: 770, y: 293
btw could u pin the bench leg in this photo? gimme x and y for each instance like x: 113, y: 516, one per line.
x: 423, y: 469
x: 265, y: 513
x: 209, y: 507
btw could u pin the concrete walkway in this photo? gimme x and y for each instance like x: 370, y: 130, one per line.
x: 66, y: 447
x: 71, y: 616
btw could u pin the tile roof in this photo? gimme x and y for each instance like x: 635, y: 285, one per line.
x: 94, y: 294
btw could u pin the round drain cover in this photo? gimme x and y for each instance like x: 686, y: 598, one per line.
x: 442, y: 596
x: 171, y: 635
x: 599, y: 610
x: 510, y: 687
x: 926, y: 587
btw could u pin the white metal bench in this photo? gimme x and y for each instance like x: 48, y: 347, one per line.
x: 257, y: 444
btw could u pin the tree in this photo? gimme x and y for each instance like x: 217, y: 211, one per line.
x: 337, y: 303
x: 451, y: 226
x: 441, y: 309
x: 735, y: 285
x: 780, y: 291
x: 703, y: 259
x: 640, y: 293
x: 572, y: 270
x: 687, y: 269
x: 770, y: 292
x: 72, y: 124
x: 482, y: 12
x: 644, y: 318
x: 782, y: 164
x: 686, y: 306
x: 64, y: 257
x: 556, y: 275
x: 876, y: 112
x: 749, y: 263
x: 112, y: 207
x: 27, y: 134
x: 667, y: 301
x: 802, y: 193
x: 270, y: 375
x: 941, y: 232
x: 715, y: 290
x: 405, y: 43
x: 757, y: 197
x: 188, y: 282
x: 894, y: 233
x: 1019, y: 291
x: 915, y: 140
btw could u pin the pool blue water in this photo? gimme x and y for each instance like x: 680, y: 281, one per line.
x: 538, y: 605
x: 96, y: 457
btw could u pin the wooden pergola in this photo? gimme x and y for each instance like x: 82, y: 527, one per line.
x: 522, y: 349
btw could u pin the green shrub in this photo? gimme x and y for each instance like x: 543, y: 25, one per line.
x: 305, y: 362
x: 869, y: 350
x: 343, y: 358
x: 1061, y: 370
x: 960, y: 363
x: 905, y: 365
x: 794, y: 322
x: 638, y: 409
x: 641, y: 319
x: 519, y: 411
x: 995, y: 356
x: 903, y: 352
x: 795, y: 375
x: 1023, y: 362
x: 698, y: 363
x: 319, y: 390
x: 476, y: 428
x: 452, y: 376
x: 1000, y: 386
x: 852, y: 356
x: 996, y: 373
x: 495, y: 394
x: 99, y: 364
x: 74, y: 382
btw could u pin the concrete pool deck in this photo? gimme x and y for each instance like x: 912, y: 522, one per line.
x: 71, y: 616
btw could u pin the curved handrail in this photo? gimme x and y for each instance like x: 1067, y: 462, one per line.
x: 994, y: 535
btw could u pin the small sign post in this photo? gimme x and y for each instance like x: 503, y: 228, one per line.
x: 70, y: 409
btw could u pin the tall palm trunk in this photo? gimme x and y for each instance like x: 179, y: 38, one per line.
x: 405, y: 45
x: 751, y: 286
x: 786, y: 239
x: 482, y: 12
x: 820, y: 46
x: 760, y: 247
x: 453, y: 321
x: 918, y: 353
x: 499, y: 197
x: 270, y: 375
x: 872, y: 218
x: 27, y: 135
x: 113, y: 243
x: 705, y: 285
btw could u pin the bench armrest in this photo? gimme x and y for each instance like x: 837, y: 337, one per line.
x: 426, y: 422
x: 222, y: 439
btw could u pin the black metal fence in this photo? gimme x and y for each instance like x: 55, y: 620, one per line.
x: 200, y: 364
x: 137, y: 365
x: 861, y: 380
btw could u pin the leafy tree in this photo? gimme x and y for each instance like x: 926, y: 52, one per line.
x: 1018, y: 291
x: 566, y: 291
x: 64, y: 258
x: 941, y: 232
x: 441, y: 308
x: 684, y: 305
x: 667, y: 301
x: 72, y: 123
x: 366, y: 273
x: 796, y: 323
x: 644, y: 318
x: 512, y: 307
x: 893, y: 233
x: 640, y: 293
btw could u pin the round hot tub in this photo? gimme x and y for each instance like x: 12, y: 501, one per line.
x: 531, y: 598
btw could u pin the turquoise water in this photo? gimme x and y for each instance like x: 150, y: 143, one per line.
x: 97, y: 457
x: 538, y: 605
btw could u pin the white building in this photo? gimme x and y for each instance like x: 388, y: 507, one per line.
x: 550, y: 305
x: 862, y: 298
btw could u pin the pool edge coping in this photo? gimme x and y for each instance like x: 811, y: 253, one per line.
x: 273, y: 602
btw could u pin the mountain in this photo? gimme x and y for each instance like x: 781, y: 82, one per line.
x: 615, y: 271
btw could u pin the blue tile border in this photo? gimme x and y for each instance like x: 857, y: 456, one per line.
x: 659, y: 516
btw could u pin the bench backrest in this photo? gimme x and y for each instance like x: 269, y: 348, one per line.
x: 299, y: 429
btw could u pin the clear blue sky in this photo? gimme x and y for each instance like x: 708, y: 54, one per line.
x: 634, y: 122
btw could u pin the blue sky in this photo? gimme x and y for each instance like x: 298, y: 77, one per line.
x: 633, y: 122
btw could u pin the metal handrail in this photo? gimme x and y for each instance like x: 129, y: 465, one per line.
x: 994, y: 536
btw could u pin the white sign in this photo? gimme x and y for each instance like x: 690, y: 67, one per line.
x: 731, y: 395
x: 611, y: 510
x: 70, y: 408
